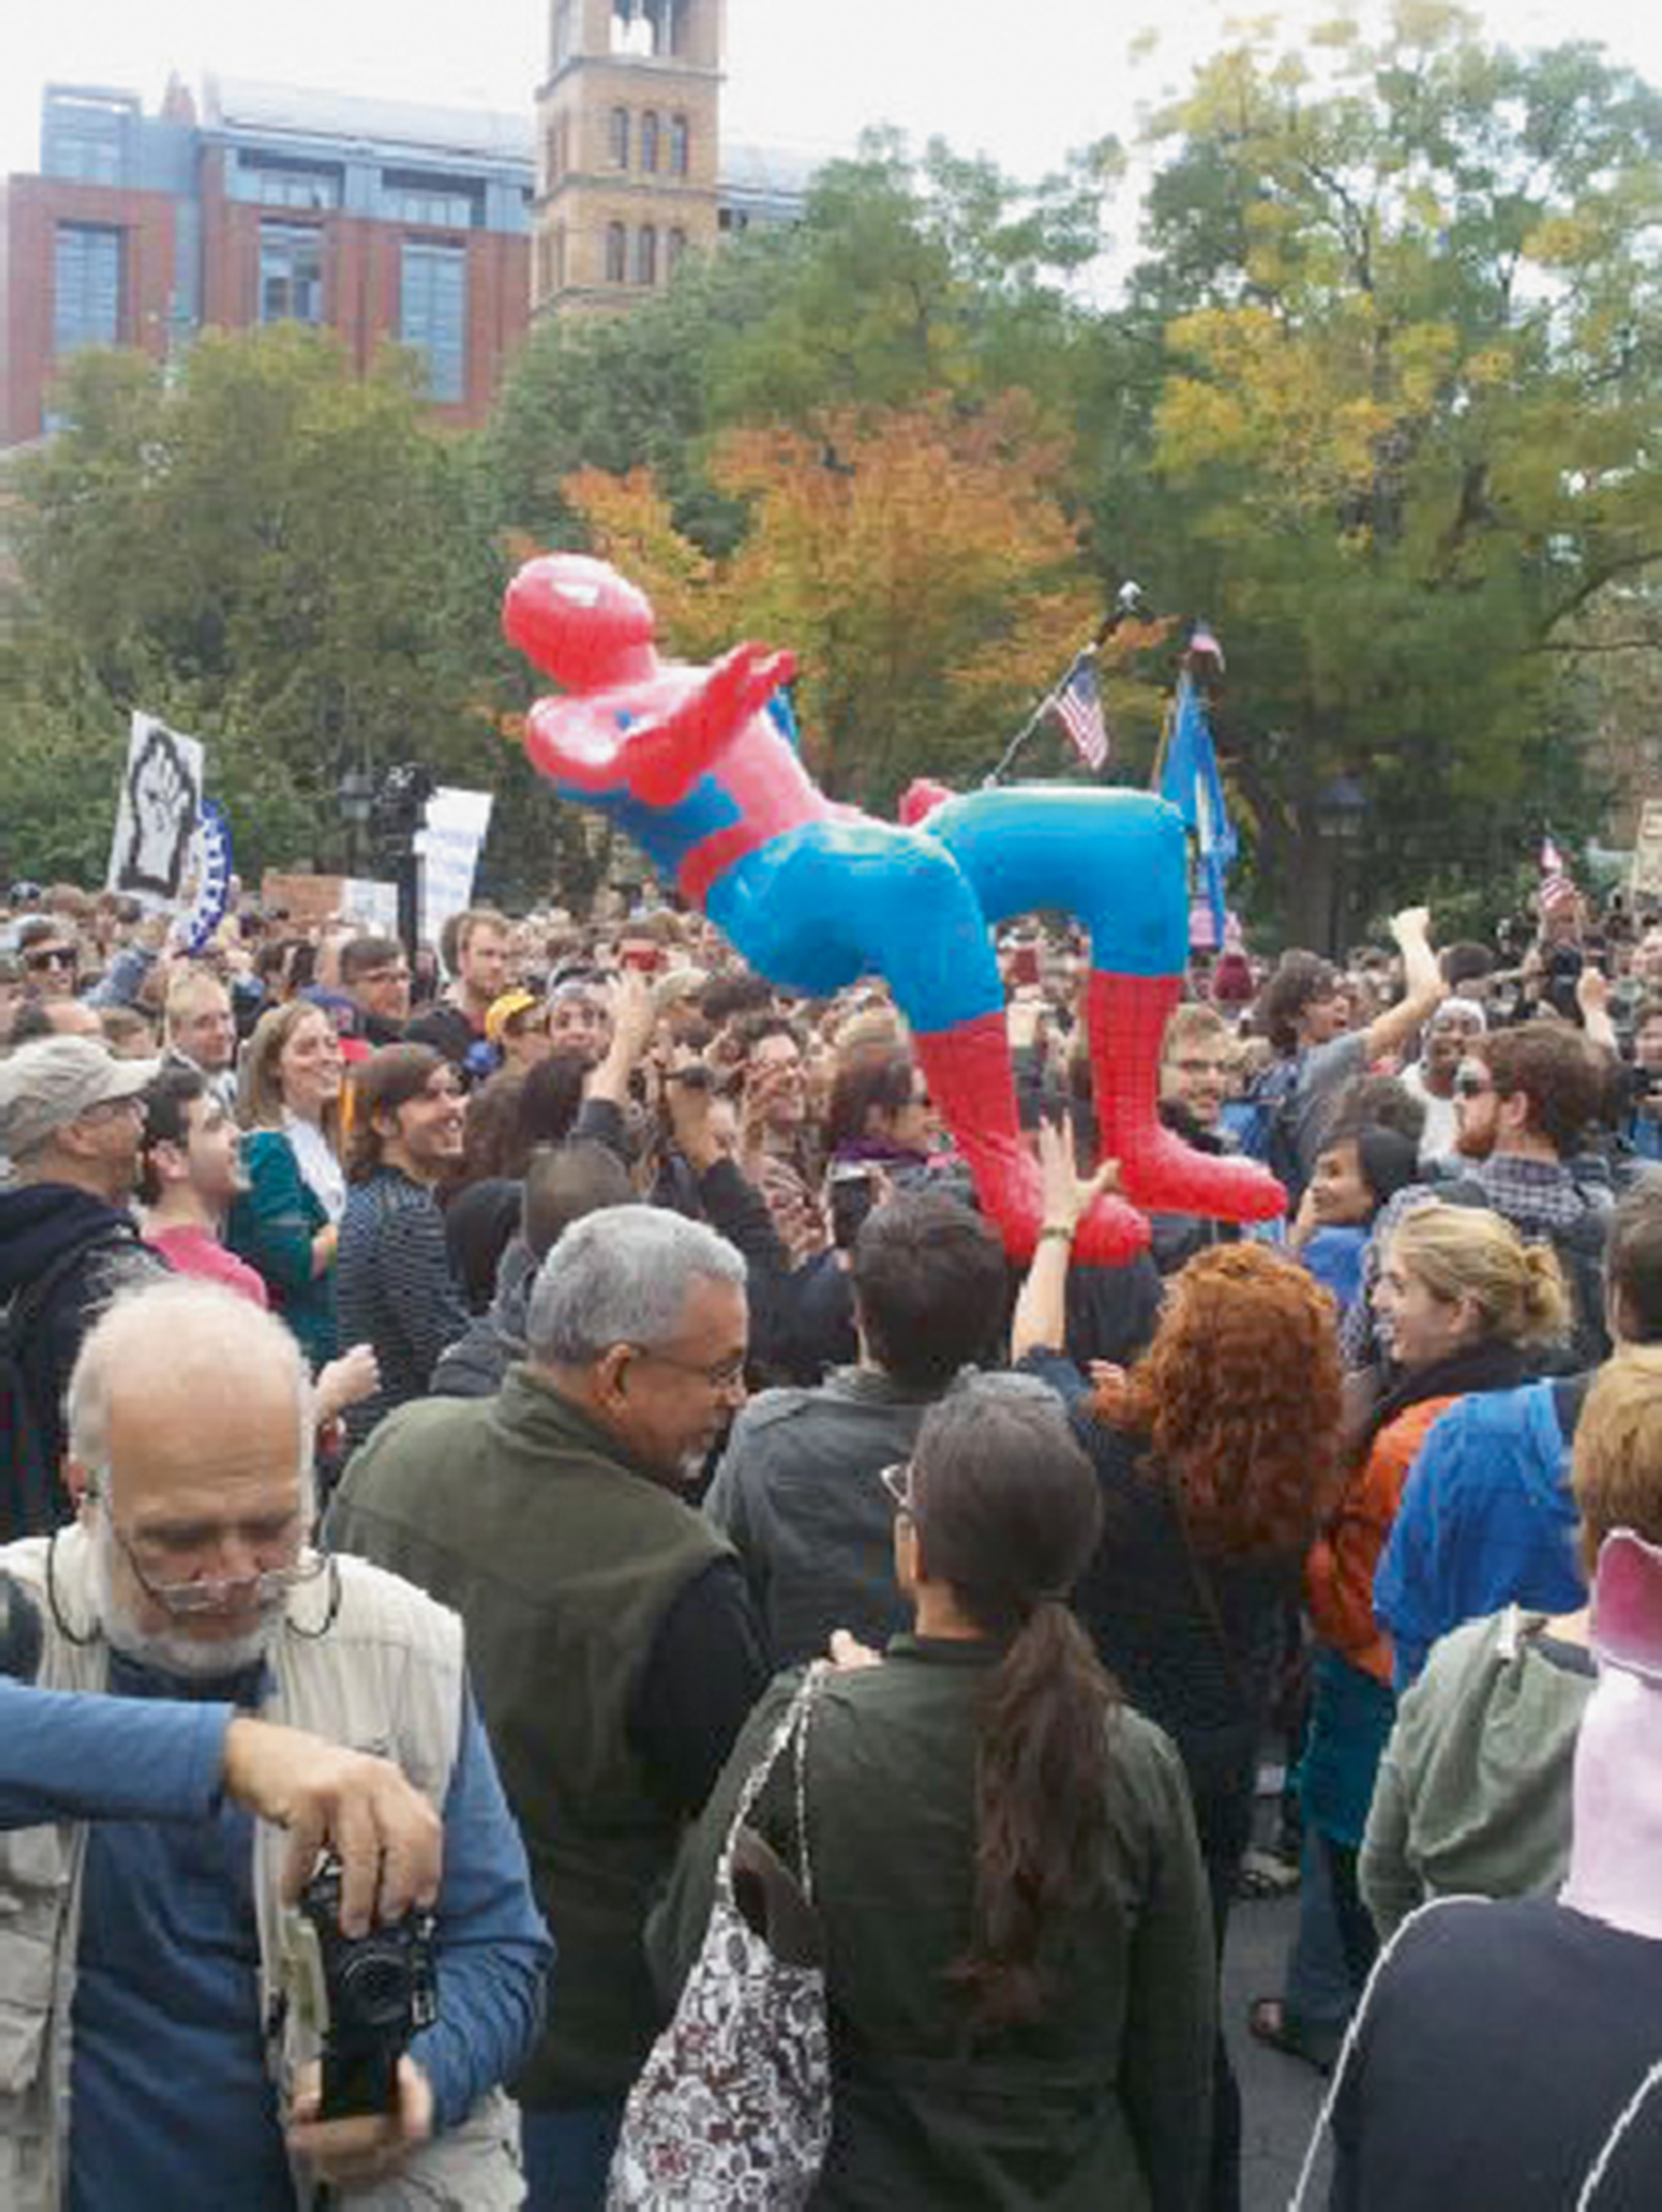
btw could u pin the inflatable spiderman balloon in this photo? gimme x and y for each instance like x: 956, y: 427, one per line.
x: 693, y: 766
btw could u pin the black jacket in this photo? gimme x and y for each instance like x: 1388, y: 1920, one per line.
x: 63, y: 1255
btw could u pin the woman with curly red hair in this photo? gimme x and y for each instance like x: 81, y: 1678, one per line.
x: 1213, y: 1457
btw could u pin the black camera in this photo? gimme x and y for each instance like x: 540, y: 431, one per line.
x: 376, y: 1991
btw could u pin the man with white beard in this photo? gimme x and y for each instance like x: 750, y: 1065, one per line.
x: 141, y: 1963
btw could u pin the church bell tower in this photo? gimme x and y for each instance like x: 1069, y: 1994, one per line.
x: 627, y: 149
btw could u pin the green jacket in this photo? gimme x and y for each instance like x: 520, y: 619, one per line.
x: 563, y: 1559
x: 1103, y: 2105
x: 1473, y: 1794
x: 272, y: 1226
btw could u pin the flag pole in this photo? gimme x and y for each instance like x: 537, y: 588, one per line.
x: 1045, y: 706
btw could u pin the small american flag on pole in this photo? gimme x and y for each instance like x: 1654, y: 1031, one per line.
x: 1557, y: 885
x: 1078, y: 705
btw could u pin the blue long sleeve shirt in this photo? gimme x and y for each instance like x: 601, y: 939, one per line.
x: 172, y: 2103
x: 64, y: 1756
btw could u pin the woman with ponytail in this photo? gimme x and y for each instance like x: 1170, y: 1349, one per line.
x: 1018, y: 1948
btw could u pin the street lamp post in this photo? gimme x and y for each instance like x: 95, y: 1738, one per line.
x: 1341, y: 815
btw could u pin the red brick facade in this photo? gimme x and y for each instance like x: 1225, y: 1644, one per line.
x: 34, y: 206
x: 360, y: 274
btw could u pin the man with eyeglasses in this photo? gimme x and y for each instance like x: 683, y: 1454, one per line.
x: 166, y: 2067
x: 143, y: 1964
x: 71, y: 1116
x: 375, y: 973
x: 1196, y: 1070
x: 609, y: 1627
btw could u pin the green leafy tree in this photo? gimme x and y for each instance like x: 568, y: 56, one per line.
x: 268, y: 552
x: 1399, y: 435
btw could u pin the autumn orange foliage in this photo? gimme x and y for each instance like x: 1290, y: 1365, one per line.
x: 919, y: 562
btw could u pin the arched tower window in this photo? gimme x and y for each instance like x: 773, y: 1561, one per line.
x: 646, y: 255
x: 680, y: 142
x: 620, y: 137
x: 616, y: 253
x: 649, y: 141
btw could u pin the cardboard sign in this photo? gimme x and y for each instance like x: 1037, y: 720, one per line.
x: 311, y: 901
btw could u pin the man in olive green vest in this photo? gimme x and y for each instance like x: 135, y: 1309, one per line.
x: 609, y: 1632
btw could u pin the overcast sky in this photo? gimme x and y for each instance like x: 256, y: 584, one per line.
x: 1023, y: 82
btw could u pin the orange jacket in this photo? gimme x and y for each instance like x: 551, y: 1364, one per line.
x: 1338, y: 1575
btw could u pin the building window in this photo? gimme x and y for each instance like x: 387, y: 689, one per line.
x: 646, y: 254
x: 680, y: 139
x: 675, y: 247
x: 559, y: 257
x: 649, y: 141
x: 550, y: 158
x: 433, y: 313
x: 290, y: 273
x: 443, y: 203
x: 287, y: 184
x: 620, y: 137
x: 86, y: 307
x: 616, y: 253
x: 85, y: 140
x: 565, y: 32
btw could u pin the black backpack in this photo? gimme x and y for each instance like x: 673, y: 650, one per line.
x: 32, y: 1502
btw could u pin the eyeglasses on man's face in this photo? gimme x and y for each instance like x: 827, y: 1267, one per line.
x: 718, y: 1375
x: 896, y: 1480
x: 39, y: 957
x: 1471, y: 1081
x: 209, y: 1594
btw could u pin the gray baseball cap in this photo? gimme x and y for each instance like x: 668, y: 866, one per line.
x: 52, y: 1082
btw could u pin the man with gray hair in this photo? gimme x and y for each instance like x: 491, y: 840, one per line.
x: 154, y: 2058
x: 609, y: 1626
x: 71, y: 1117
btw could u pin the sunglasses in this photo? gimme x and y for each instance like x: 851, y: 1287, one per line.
x: 49, y: 955
x: 1471, y: 1083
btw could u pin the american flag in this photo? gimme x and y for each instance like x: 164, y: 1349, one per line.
x: 1557, y: 885
x: 1078, y: 705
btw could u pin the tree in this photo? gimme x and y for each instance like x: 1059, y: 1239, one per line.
x: 1400, y: 437
x: 265, y: 552
x: 917, y: 561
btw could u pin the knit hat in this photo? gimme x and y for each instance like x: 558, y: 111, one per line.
x: 1616, y: 1839
x: 46, y: 1085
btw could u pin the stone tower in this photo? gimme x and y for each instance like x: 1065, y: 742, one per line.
x: 627, y: 148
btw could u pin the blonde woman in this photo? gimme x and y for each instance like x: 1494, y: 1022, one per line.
x: 1474, y: 1790
x: 1463, y: 1305
x: 286, y: 1223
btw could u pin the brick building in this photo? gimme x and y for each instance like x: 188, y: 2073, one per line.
x: 377, y: 219
x: 374, y: 218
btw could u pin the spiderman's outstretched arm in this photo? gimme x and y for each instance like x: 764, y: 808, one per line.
x: 657, y: 756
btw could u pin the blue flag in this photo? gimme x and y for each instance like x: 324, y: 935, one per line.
x: 1190, y: 780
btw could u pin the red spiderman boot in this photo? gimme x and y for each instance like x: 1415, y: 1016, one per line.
x: 968, y: 1071
x: 1128, y: 1018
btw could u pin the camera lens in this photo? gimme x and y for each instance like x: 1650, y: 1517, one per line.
x: 374, y: 1989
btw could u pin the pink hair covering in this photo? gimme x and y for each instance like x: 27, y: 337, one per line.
x: 1615, y: 1853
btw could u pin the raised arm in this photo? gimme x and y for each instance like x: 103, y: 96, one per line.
x: 1423, y: 987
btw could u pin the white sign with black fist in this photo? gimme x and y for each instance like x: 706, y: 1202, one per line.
x: 156, y: 816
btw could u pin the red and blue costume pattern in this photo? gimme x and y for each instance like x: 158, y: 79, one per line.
x: 692, y: 766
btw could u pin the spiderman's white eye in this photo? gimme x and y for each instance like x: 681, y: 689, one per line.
x: 580, y: 595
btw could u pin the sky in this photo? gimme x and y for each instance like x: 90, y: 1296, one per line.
x: 1025, y: 83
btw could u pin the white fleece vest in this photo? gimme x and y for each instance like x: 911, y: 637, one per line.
x: 380, y: 1670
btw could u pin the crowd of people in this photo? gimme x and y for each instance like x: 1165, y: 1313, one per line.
x: 453, y: 1404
